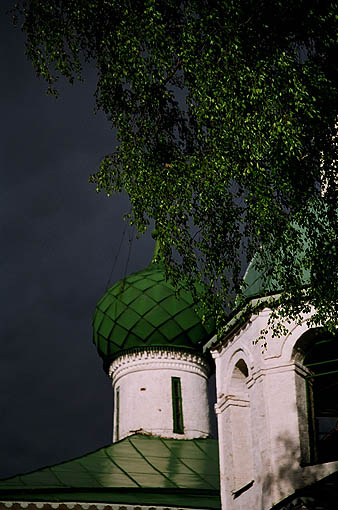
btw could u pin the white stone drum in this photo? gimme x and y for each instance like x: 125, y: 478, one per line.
x: 160, y: 392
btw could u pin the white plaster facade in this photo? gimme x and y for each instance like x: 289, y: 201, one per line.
x: 142, y: 384
x: 261, y: 409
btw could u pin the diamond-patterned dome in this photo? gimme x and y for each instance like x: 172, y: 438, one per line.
x: 142, y: 311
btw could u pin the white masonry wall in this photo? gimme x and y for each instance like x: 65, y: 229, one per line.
x: 143, y: 380
x: 262, y: 417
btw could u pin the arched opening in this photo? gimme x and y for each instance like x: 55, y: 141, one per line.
x: 238, y: 380
x: 321, y: 359
x: 240, y: 418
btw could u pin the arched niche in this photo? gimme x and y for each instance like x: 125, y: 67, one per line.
x: 237, y: 371
x: 238, y: 379
x: 240, y: 422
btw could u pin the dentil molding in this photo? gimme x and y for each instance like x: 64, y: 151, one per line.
x: 152, y: 359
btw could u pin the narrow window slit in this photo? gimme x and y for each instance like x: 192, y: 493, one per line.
x: 176, y: 393
x: 117, y: 414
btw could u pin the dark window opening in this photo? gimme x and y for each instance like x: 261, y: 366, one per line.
x: 176, y: 393
x: 322, y: 390
x: 117, y: 414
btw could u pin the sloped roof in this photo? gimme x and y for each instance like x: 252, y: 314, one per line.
x: 136, y: 470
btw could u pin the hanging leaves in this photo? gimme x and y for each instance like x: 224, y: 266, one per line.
x: 226, y: 117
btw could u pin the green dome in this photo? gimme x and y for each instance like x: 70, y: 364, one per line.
x: 257, y: 285
x: 142, y: 311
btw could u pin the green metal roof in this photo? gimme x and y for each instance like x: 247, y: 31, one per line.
x: 142, y: 310
x: 137, y: 470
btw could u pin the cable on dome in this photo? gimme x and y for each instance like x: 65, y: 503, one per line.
x: 131, y: 238
x: 117, y: 256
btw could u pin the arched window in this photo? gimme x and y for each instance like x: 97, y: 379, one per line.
x: 321, y: 360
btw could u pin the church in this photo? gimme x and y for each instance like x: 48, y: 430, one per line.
x: 276, y: 408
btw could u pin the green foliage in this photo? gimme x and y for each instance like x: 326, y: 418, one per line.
x: 226, y: 115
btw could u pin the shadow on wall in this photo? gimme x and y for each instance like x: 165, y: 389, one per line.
x: 317, y: 411
x: 321, y: 495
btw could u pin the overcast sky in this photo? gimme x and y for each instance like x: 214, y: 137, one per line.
x: 58, y: 243
x: 59, y: 240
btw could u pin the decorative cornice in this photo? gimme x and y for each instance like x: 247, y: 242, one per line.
x: 152, y: 359
x: 231, y: 400
x: 251, y: 310
x: 276, y: 369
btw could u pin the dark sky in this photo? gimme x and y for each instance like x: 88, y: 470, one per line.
x: 58, y: 243
x: 59, y: 240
